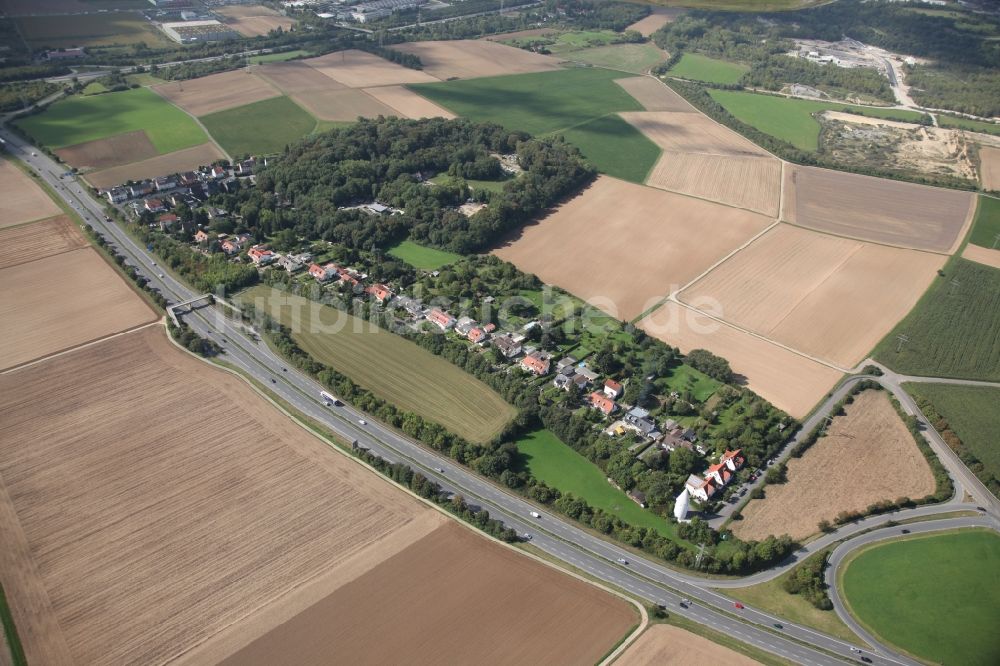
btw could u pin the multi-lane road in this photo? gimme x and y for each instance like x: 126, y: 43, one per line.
x: 615, y: 565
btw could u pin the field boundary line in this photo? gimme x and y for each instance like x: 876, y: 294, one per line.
x: 83, y: 345
x: 750, y: 241
x: 197, y: 122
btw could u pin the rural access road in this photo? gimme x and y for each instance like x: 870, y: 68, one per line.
x: 562, y: 540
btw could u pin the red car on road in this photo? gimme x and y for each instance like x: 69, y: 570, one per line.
x: 738, y: 604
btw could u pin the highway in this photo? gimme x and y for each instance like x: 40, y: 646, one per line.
x: 639, y: 576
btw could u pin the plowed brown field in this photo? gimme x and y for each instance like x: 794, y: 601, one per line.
x: 989, y: 168
x: 829, y: 297
x: 867, y: 455
x: 664, y: 645
x: 408, y: 103
x: 624, y: 247
x: 983, y: 255
x: 21, y: 200
x: 150, y: 501
x: 296, y: 77
x: 27, y: 242
x: 659, y: 17
x: 877, y: 209
x: 358, y: 69
x: 788, y: 380
x: 254, y: 20
x: 345, y: 104
x: 654, y: 95
x: 690, y: 133
x: 180, y: 160
x: 112, y: 151
x: 472, y: 58
x: 745, y: 182
x: 479, y: 603
x: 217, y: 92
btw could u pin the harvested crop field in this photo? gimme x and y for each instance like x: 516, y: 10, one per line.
x: 321, y: 96
x: 691, y: 133
x: 982, y: 255
x: 989, y: 168
x: 654, y: 95
x: 649, y: 244
x: 788, y: 380
x: 876, y: 209
x: 62, y: 301
x: 659, y: 17
x: 358, y: 69
x: 181, y: 160
x: 664, y: 645
x: 168, y: 533
x: 408, y: 103
x: 867, y: 455
x: 21, y: 200
x: 829, y: 297
x: 254, y: 20
x: 474, y: 58
x: 216, y: 92
x: 745, y: 182
x: 297, y: 77
x: 110, y: 152
x: 479, y: 602
x: 27, y: 242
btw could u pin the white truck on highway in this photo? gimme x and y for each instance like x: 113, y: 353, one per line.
x: 329, y: 398
x: 535, y: 514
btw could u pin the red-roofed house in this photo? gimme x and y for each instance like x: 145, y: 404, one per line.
x: 323, y: 273
x: 442, y: 319
x: 612, y: 389
x: 230, y: 246
x: 480, y: 334
x: 261, y: 255
x: 380, y: 293
x: 154, y: 205
x: 200, y: 236
x: 536, y: 364
x: 167, y: 220
x: 699, y: 487
x: 602, y: 403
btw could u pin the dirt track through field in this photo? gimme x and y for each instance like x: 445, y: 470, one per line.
x: 35, y: 240
x: 473, y: 58
x: 654, y: 95
x: 877, y: 209
x: 745, y: 182
x: 665, y: 645
x: 624, y: 247
x: 408, y: 103
x: 832, y: 298
x: 181, y: 160
x: 217, y: 92
x: 358, y: 69
x: 983, y: 255
x: 989, y: 170
x: 868, y: 455
x: 110, y: 152
x: 480, y: 603
x: 21, y: 200
x: 790, y: 381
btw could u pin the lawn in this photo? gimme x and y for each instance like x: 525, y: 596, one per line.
x: 986, y: 225
x: 263, y: 127
x: 685, y: 378
x: 94, y: 88
x: 553, y: 102
x: 559, y: 466
x: 936, y: 597
x: 391, y: 367
x: 791, y: 119
x: 77, y: 119
x: 423, y: 257
x: 967, y: 124
x: 635, y: 58
x: 702, y: 68
x: 107, y: 29
x: 952, y: 330
x: 278, y: 57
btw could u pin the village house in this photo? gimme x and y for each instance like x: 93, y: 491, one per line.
x: 117, y: 195
x: 612, y: 389
x: 716, y: 476
x: 167, y: 221
x: 562, y: 382
x: 637, y: 419
x: 217, y: 172
x: 441, y: 319
x: 586, y: 375
x: 602, y: 403
x: 188, y: 178
x: 347, y: 276
x: 200, y: 236
x: 638, y: 497
x: 323, y: 273
x: 261, y: 255
x: 479, y: 334
x: 154, y: 205
x: 537, y: 363
x: 700, y: 488
x: 566, y: 366
x: 140, y: 189
x: 290, y: 263
x: 162, y: 183
x: 464, y: 325
x: 507, y: 345
x: 376, y: 208
x: 246, y: 167
x: 380, y: 293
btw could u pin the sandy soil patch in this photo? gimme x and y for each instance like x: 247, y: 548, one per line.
x: 358, y: 69
x: 989, y: 167
x: 110, y: 152
x: 790, y: 381
x: 472, y: 58
x: 868, y: 455
x: 175, y: 162
x: 408, y: 103
x: 625, y: 247
x: 217, y: 92
x: 27, y: 242
x: 170, y: 540
x: 877, y: 209
x: 664, y: 645
x: 654, y: 95
x: 657, y: 19
x: 983, y: 255
x: 745, y: 182
x: 479, y: 603
x: 690, y: 133
x: 830, y: 297
x: 21, y: 200
x: 61, y: 301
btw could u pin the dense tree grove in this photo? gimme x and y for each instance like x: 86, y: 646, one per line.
x: 14, y: 96
x: 807, y: 580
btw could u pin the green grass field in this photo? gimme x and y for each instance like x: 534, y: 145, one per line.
x: 144, y: 79
x: 559, y: 466
x: 635, y: 58
x: 94, y: 88
x: 967, y: 124
x: 702, y: 68
x: 986, y: 225
x: 278, y: 57
x: 423, y: 257
x: 574, y: 40
x: 77, y: 119
x: 108, y: 29
x: 555, y: 102
x: 791, y: 119
x: 389, y: 366
x: 686, y: 378
x: 953, y: 329
x: 936, y: 597
x: 972, y: 413
x: 260, y: 128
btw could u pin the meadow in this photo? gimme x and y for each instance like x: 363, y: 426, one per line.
x: 950, y: 617
x: 615, y: 147
x: 685, y: 378
x: 968, y: 124
x: 391, y: 367
x: 791, y: 119
x: 422, y: 257
x: 702, y: 68
x: 78, y: 119
x: 952, y: 329
x: 986, y: 225
x: 263, y: 127
x: 635, y: 58
x: 550, y: 460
